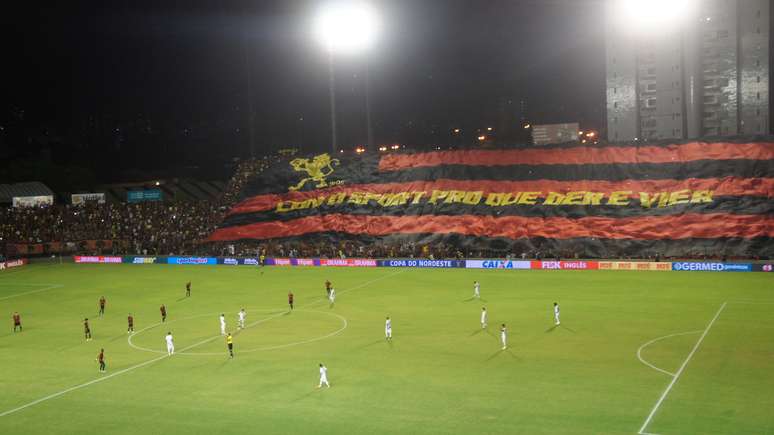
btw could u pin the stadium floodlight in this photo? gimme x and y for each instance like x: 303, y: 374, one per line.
x: 652, y: 15
x: 346, y: 27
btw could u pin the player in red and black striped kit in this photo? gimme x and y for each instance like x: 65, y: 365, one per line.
x: 163, y: 310
x: 130, y: 321
x: 188, y: 289
x: 16, y: 322
x: 101, y: 359
x: 290, y: 300
x: 101, y: 306
x: 86, y: 329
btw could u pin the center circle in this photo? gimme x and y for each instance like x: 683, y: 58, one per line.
x: 275, y: 314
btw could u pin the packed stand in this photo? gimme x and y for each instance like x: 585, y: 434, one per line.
x: 157, y: 228
x: 151, y: 228
x: 245, y: 171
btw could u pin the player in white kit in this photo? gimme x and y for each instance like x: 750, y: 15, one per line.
x: 242, y: 314
x: 388, y: 329
x: 483, y: 317
x: 503, y: 336
x: 170, y: 344
x: 323, y: 376
x: 556, y: 314
x: 332, y: 296
x: 222, y: 324
x: 476, y: 290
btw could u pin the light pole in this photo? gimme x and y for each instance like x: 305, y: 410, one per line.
x: 332, y: 92
x: 250, y: 117
x: 345, y: 28
x: 369, y: 130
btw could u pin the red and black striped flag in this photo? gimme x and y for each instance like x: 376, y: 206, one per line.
x: 693, y: 198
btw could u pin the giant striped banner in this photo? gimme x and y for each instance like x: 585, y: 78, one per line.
x: 693, y: 198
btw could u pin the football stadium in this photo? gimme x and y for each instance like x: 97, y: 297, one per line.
x: 591, y: 277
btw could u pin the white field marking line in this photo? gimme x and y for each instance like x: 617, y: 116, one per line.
x: 77, y: 387
x: 142, y: 364
x: 28, y: 284
x: 642, y: 360
x: 94, y: 381
x: 155, y: 325
x: 679, y: 372
x: 129, y: 340
x: 344, y: 325
x: 33, y: 291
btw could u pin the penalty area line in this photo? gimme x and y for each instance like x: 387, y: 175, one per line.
x: 678, y: 373
x: 151, y: 361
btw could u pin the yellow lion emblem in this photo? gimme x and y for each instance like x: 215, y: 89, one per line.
x: 318, y: 168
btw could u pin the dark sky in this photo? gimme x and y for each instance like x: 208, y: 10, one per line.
x: 178, y: 70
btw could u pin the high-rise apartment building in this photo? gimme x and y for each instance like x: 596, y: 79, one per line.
x: 706, y: 74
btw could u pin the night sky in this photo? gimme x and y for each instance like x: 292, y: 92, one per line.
x: 161, y: 84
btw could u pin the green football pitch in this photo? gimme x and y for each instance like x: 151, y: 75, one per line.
x: 636, y: 352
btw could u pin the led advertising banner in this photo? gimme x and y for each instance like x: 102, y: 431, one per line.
x: 144, y: 195
x: 693, y: 266
x: 424, y: 263
x: 96, y: 259
x: 636, y: 265
x: 498, y: 264
x: 192, y: 260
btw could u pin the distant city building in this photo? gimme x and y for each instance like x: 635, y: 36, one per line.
x: 704, y: 75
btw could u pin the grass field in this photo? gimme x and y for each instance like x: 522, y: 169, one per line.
x: 441, y: 373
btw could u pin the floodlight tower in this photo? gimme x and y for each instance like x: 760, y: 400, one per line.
x: 346, y: 27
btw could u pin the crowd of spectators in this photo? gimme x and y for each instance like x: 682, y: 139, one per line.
x: 156, y: 228
x: 244, y: 172
x: 148, y: 227
x: 339, y: 249
x: 322, y: 247
x: 181, y: 228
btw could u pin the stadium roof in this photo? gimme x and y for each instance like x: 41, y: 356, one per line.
x: 33, y: 188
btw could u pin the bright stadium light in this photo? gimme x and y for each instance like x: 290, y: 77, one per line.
x: 650, y: 15
x: 346, y: 27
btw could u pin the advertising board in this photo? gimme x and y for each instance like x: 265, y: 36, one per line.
x: 565, y: 265
x: 555, y: 133
x: 143, y: 195
x: 96, y: 259
x: 192, y: 260
x: 413, y: 262
x: 82, y: 198
x: 497, y: 264
x: 32, y: 201
x: 636, y: 265
x: 9, y: 264
x: 348, y: 262
x: 692, y: 266
x: 143, y: 260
